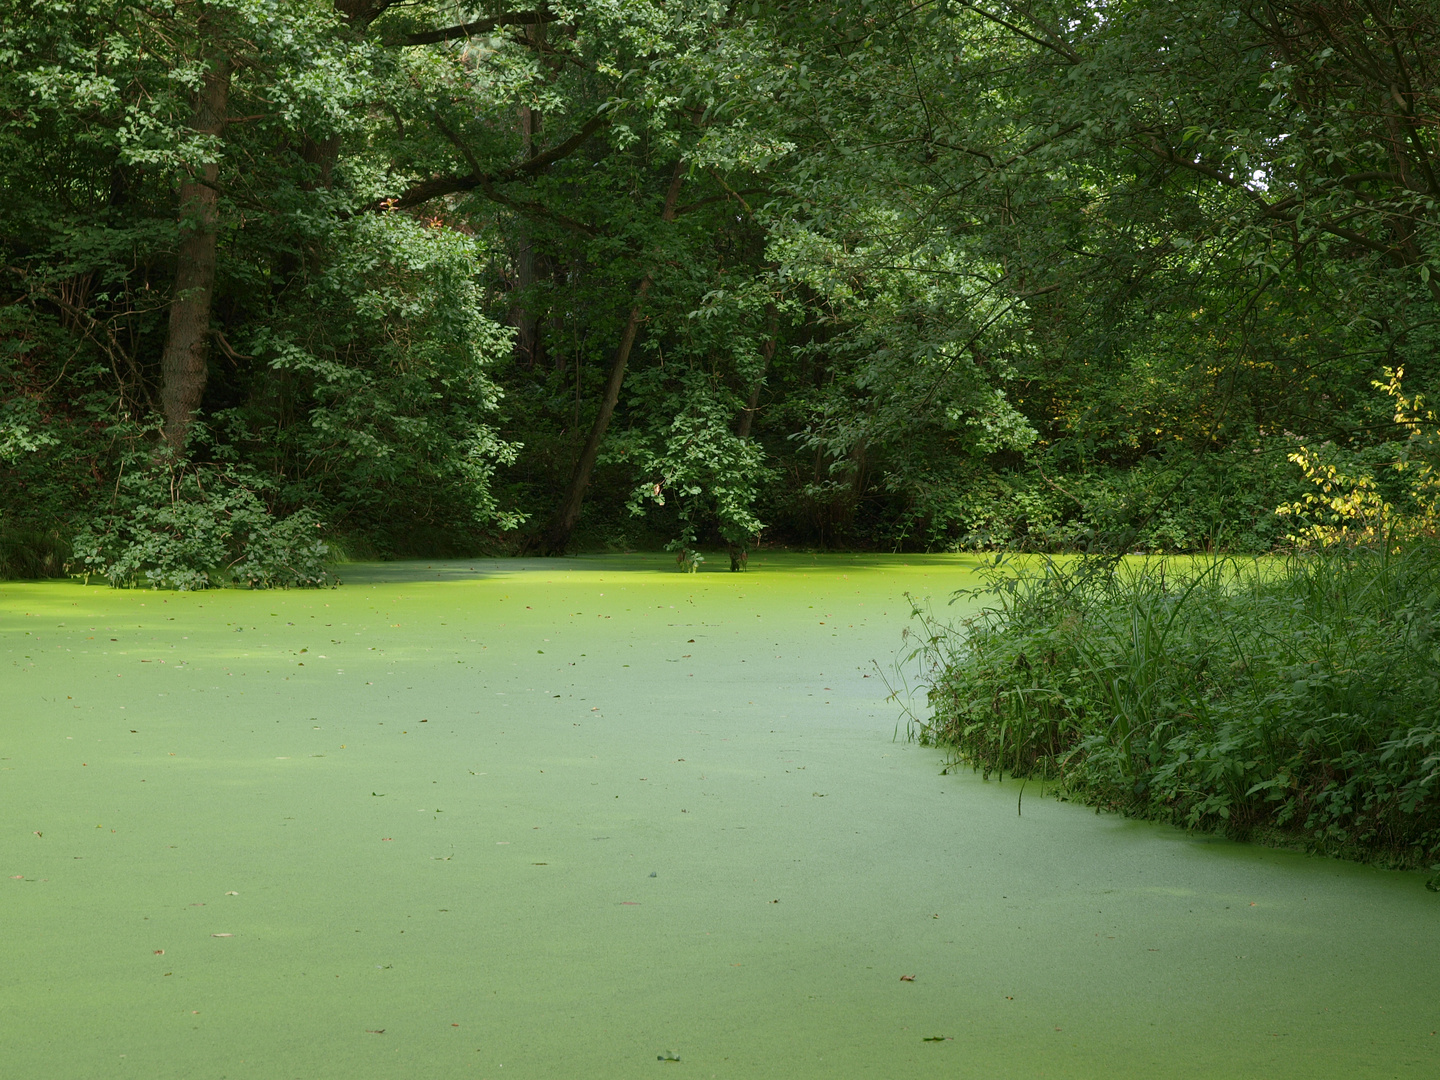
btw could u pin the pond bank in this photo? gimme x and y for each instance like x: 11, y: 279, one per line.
x: 563, y: 818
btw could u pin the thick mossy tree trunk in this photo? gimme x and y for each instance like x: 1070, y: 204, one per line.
x: 184, y: 364
x: 562, y: 525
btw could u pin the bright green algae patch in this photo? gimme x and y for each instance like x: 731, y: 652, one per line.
x: 566, y: 818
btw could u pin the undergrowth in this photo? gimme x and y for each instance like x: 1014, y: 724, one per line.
x: 196, y: 527
x: 1291, y: 700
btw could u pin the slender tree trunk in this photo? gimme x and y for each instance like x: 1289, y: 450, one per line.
x: 183, y: 366
x: 526, y: 326
x: 767, y: 354
x: 738, y: 555
x: 529, y: 348
x: 557, y: 536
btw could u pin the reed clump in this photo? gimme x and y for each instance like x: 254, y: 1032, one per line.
x: 1294, y: 700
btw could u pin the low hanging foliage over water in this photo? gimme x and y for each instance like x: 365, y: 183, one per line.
x: 1293, y: 700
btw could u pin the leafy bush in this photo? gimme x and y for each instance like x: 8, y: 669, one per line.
x: 1179, y: 501
x: 196, y: 527
x: 1295, y: 699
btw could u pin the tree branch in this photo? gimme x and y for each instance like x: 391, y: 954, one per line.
x: 1059, y: 47
x: 361, y: 13
x: 1165, y: 154
x: 711, y: 200
x: 438, y: 186
x: 533, y: 165
x: 479, y: 27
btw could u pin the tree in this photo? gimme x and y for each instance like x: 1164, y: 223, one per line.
x: 647, y: 103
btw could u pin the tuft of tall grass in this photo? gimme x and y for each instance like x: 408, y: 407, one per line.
x: 1290, y: 699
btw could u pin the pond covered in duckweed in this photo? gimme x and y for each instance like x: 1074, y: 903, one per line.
x: 592, y: 818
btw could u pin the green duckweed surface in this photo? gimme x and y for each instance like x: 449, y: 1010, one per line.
x: 570, y: 818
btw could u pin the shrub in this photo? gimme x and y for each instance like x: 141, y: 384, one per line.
x: 196, y: 527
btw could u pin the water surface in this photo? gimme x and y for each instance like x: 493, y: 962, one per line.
x: 563, y: 818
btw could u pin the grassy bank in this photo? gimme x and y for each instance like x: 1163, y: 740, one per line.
x: 1294, y: 701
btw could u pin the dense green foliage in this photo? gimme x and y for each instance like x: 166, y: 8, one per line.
x: 196, y: 528
x: 891, y: 273
x: 1295, y: 701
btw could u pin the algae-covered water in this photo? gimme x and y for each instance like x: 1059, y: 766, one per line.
x: 579, y: 818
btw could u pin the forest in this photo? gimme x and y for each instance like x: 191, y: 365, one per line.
x: 286, y: 280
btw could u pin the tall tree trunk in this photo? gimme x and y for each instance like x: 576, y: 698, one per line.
x: 183, y: 366
x: 557, y: 536
x: 767, y: 354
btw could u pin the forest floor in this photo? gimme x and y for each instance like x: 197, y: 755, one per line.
x: 582, y: 817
